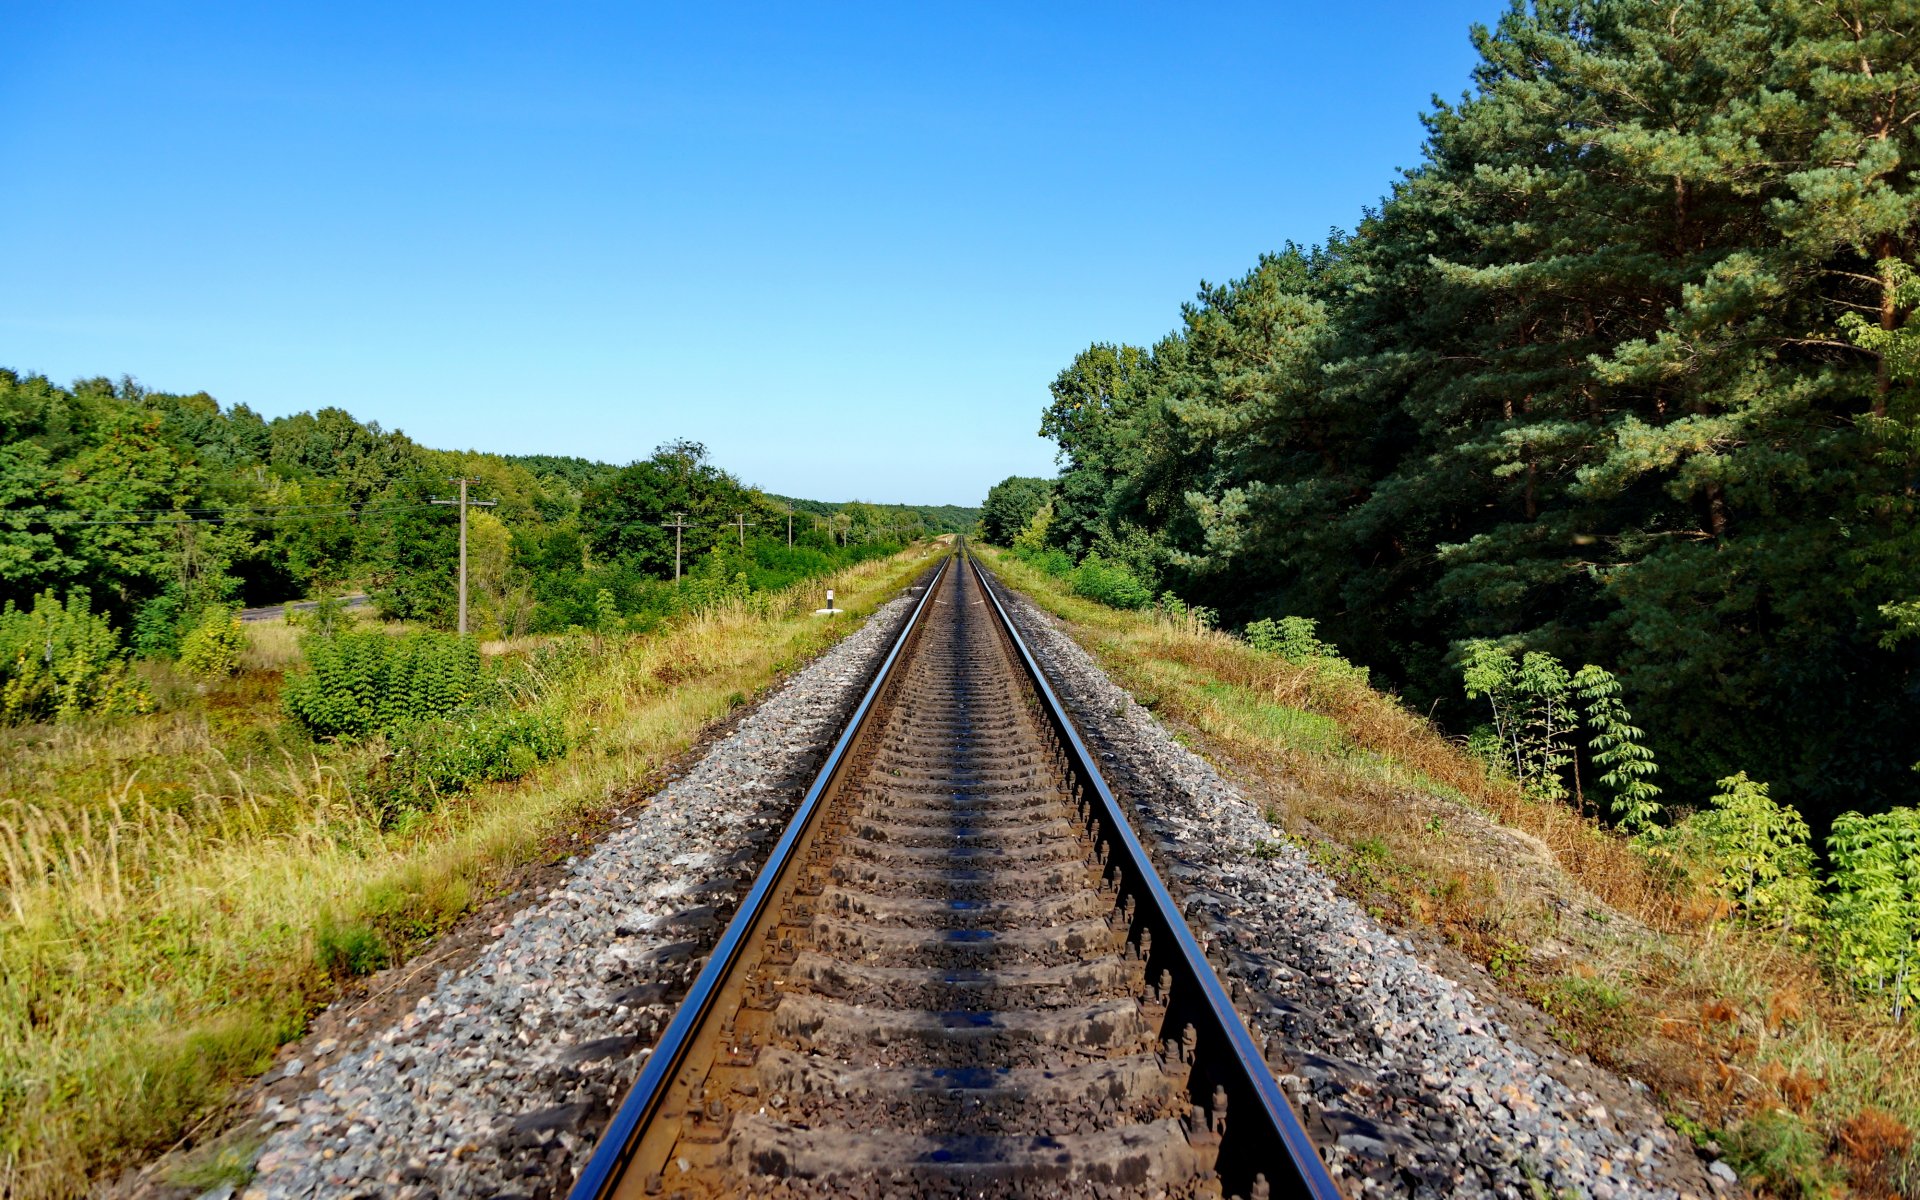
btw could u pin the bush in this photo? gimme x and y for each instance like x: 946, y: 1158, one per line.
x: 1293, y: 638
x: 1777, y: 1150
x: 1874, y: 911
x: 448, y: 755
x: 156, y: 627
x: 212, y: 648
x: 360, y: 683
x: 1111, y: 583
x: 61, y: 661
x: 1757, y: 852
x: 349, y: 951
x: 1053, y: 562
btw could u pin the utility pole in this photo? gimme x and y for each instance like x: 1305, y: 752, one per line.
x: 789, y: 531
x: 677, y: 524
x: 740, y: 524
x: 464, y: 504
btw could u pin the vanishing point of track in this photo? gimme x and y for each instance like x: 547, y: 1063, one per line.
x: 958, y: 975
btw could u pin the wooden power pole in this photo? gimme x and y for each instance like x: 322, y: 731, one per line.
x: 464, y: 504
x: 678, y: 524
x: 740, y: 523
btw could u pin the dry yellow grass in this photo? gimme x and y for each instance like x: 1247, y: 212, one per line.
x: 1737, y: 1033
x: 170, y: 885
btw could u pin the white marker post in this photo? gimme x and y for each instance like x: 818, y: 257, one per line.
x: 829, y: 599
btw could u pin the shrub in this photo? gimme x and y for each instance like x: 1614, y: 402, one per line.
x: 1777, y: 1150
x: 1874, y: 911
x: 1293, y: 638
x: 1757, y: 852
x: 156, y: 627
x: 359, y: 683
x: 1619, y: 750
x: 212, y: 648
x: 1297, y: 640
x: 445, y: 756
x: 350, y: 950
x: 1111, y: 583
x: 60, y: 661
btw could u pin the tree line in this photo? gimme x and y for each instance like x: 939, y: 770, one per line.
x: 1622, y: 372
x: 150, y: 508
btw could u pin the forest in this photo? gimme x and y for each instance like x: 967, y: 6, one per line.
x: 159, y: 506
x: 1622, y: 373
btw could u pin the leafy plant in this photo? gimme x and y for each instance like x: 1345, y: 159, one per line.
x: 1110, y: 582
x: 1758, y: 853
x: 1489, y: 670
x: 212, y: 648
x: 1293, y: 638
x: 1873, y: 913
x: 60, y: 661
x: 1619, y: 749
x: 357, y: 683
x: 1033, y: 538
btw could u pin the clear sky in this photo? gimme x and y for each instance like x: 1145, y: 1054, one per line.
x: 846, y: 246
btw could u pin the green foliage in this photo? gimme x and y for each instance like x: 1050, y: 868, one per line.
x: 60, y: 661
x: 1778, y: 1151
x: 606, y: 611
x: 1110, y: 583
x: 444, y: 756
x: 1010, y: 507
x: 1619, y: 750
x: 1294, y: 638
x: 1033, y: 538
x: 360, y: 683
x: 1625, y: 368
x: 1546, y: 723
x: 1297, y: 639
x: 156, y: 628
x: 349, y: 950
x: 1535, y: 723
x: 212, y: 648
x: 1873, y: 910
x: 1758, y: 853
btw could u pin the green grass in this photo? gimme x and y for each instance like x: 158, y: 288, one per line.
x: 179, y: 892
x: 1747, y: 1040
x: 1294, y: 728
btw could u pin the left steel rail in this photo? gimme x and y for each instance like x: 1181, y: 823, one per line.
x: 621, y: 1137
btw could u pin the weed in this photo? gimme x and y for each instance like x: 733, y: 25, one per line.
x: 1725, y: 1020
x: 211, y: 874
x: 348, y: 951
x: 1775, y: 1149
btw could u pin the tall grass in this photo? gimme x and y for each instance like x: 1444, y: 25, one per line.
x: 1740, y: 1034
x: 178, y: 892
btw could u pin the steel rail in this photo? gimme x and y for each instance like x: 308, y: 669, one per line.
x: 621, y: 1137
x: 1262, y: 1135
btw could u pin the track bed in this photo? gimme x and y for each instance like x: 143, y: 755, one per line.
x: 946, y: 988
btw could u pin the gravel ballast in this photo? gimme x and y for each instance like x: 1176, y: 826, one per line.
x: 1414, y: 1087
x: 497, y: 1083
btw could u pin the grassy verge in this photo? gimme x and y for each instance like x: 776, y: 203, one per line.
x: 179, y: 892
x: 1744, y: 1041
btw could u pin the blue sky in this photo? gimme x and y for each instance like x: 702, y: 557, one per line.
x: 846, y: 246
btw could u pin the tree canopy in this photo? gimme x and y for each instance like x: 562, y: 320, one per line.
x: 1622, y: 371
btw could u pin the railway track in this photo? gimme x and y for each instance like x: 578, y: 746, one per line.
x: 958, y: 975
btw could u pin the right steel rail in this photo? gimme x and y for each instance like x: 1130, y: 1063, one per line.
x: 1264, y: 1136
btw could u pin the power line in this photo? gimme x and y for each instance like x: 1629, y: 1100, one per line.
x: 61, y: 521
